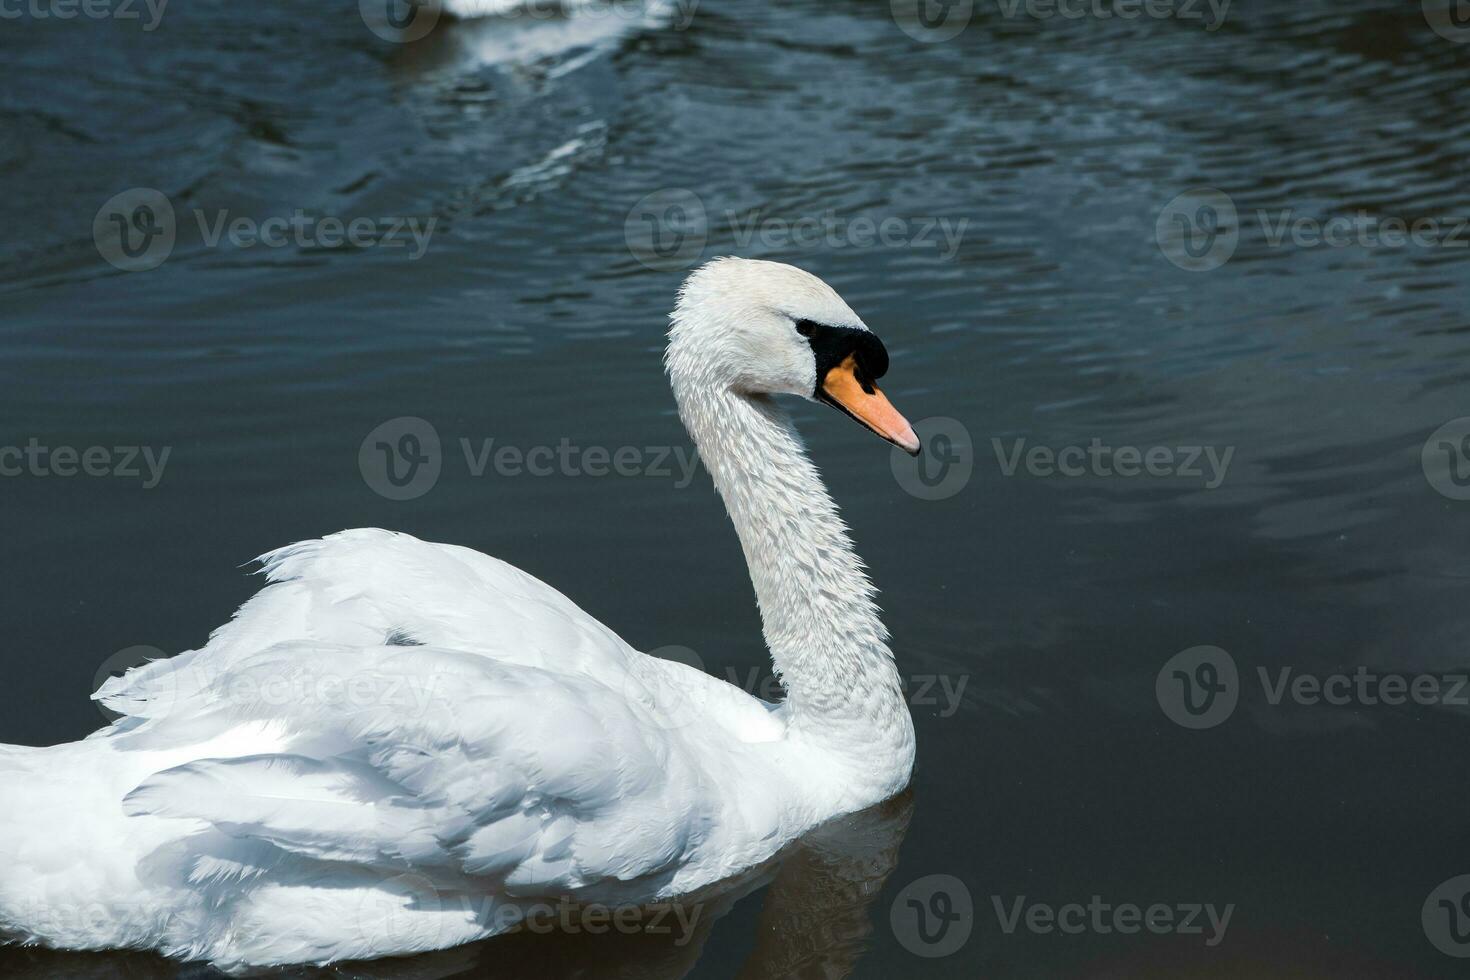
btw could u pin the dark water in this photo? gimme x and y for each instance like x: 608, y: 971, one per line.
x: 1059, y: 316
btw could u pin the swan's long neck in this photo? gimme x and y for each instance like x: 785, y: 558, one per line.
x: 816, y: 603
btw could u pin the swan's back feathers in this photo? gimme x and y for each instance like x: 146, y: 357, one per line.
x: 430, y: 706
x: 370, y: 587
x: 390, y: 731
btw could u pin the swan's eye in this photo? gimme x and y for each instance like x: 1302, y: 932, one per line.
x: 806, y: 327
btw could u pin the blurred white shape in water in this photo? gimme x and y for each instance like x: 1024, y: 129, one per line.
x: 523, y: 32
x: 493, y: 8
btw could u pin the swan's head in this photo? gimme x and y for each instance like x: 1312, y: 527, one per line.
x: 765, y: 328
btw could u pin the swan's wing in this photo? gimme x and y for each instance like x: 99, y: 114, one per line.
x: 393, y: 727
x: 371, y: 588
x: 514, y: 778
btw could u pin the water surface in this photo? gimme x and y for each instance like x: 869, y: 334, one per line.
x: 535, y: 317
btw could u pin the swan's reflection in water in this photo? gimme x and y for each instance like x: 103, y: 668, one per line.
x: 815, y: 921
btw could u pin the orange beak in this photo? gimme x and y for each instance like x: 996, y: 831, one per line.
x: 863, y: 401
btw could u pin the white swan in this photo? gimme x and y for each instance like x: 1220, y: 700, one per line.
x: 401, y: 746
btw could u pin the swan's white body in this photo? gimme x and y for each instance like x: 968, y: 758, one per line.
x: 400, y: 746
